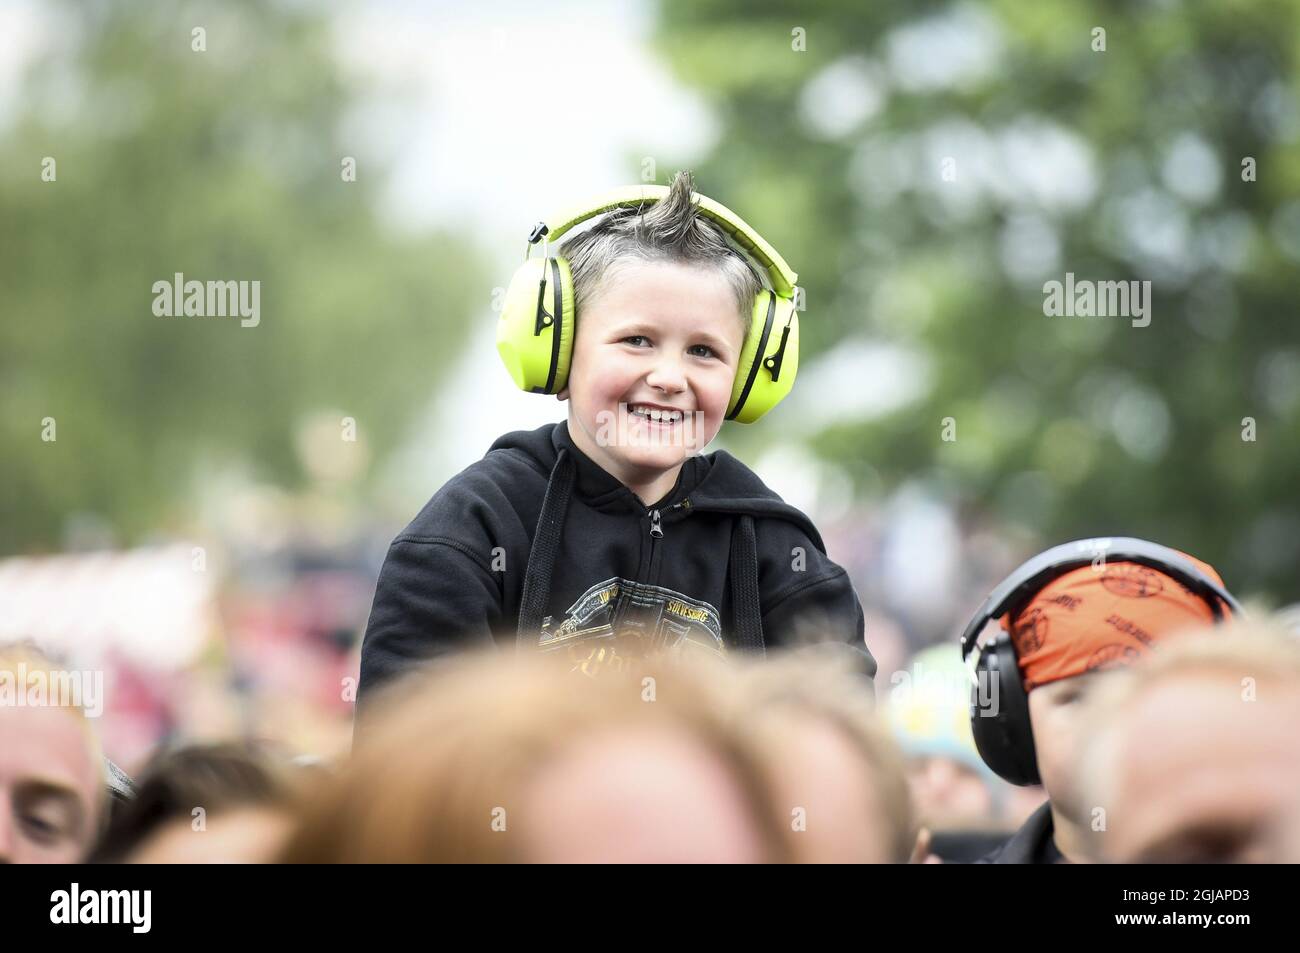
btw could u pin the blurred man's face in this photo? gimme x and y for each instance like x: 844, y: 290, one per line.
x: 660, y: 334
x: 50, y: 786
x: 1057, y: 711
x: 1202, y: 775
x: 639, y: 796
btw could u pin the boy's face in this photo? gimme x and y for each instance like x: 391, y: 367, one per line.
x: 659, y: 333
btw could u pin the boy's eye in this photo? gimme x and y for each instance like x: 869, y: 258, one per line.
x: 699, y: 350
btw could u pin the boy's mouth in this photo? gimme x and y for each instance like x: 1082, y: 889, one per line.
x: 654, y: 416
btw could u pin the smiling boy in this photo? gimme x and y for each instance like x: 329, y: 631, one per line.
x: 650, y: 309
x: 611, y: 536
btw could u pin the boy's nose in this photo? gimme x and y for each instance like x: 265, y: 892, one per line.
x: 667, y: 376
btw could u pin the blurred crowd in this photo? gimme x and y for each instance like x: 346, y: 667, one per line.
x: 1183, y: 753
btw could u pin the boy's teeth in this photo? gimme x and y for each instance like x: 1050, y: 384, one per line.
x: 671, y: 416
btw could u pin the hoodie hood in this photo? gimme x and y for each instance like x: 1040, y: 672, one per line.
x: 714, y: 482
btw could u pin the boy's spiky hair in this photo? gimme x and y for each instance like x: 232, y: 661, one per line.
x: 670, y: 230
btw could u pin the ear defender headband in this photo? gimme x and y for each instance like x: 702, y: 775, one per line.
x: 536, y: 328
x: 1004, y: 736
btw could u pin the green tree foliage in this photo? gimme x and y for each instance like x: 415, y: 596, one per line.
x: 223, y: 165
x: 1071, y: 426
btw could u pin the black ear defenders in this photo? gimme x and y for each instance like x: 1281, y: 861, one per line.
x: 1003, y: 734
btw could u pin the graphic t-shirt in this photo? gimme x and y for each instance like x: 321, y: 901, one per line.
x: 618, y: 622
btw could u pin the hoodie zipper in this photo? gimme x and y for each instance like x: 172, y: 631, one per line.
x: 656, y: 520
x: 657, y: 533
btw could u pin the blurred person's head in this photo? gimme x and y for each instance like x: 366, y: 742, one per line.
x: 218, y: 803
x: 949, y: 793
x: 1079, y: 627
x: 53, y: 797
x: 662, y: 307
x: 1192, y: 756
x: 928, y: 712
x: 838, y: 780
x: 638, y: 795
x: 1064, y: 618
x: 1068, y: 618
x: 484, y: 761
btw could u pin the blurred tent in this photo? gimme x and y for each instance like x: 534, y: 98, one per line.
x: 185, y: 652
x: 140, y: 622
x: 147, y: 607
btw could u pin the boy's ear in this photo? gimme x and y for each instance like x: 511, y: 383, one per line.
x: 563, y: 394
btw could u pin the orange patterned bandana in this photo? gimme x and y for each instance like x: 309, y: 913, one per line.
x: 1093, y: 618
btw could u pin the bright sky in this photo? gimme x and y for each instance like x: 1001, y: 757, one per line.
x: 520, y: 109
x: 492, y: 117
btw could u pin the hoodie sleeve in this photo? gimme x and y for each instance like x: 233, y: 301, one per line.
x: 808, y: 598
x: 433, y: 597
x: 440, y: 590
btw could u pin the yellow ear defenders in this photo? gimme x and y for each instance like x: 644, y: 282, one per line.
x: 535, y: 332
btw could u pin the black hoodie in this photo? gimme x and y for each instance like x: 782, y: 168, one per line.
x: 537, y: 546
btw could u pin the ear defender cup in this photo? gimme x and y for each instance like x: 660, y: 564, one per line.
x: 769, y: 361
x: 1004, y: 735
x: 535, y: 330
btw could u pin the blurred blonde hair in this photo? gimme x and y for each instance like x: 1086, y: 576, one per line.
x: 452, y: 745
x: 1259, y: 649
x: 827, y: 684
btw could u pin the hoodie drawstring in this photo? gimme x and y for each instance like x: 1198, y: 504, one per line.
x: 748, y: 632
x: 546, y: 543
